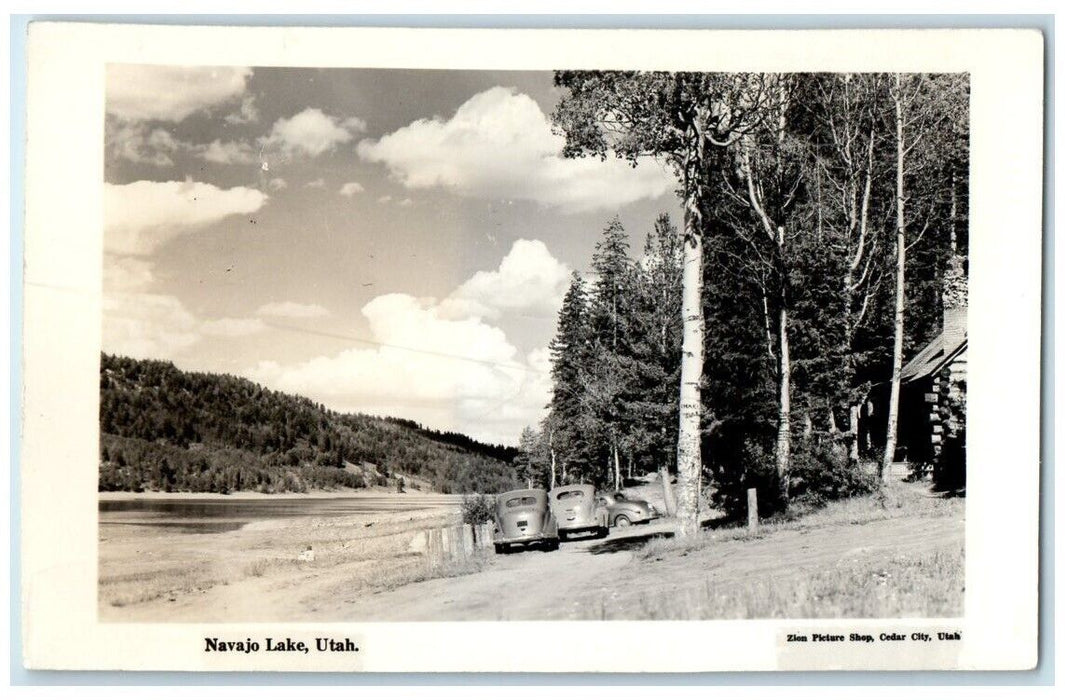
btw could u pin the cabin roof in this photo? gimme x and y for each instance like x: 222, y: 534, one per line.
x: 936, y: 355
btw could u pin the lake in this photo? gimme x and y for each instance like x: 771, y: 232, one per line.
x: 202, y: 515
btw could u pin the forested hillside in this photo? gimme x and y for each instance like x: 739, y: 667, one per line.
x: 168, y: 430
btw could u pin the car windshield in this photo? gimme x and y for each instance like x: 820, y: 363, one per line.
x: 620, y: 497
x: 521, y: 501
x: 567, y: 495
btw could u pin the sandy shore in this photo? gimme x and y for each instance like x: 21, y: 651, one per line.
x: 262, y: 571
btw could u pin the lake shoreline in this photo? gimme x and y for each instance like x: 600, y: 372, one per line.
x: 268, y: 568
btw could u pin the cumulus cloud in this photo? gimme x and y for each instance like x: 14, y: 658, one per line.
x: 354, y: 125
x: 123, y: 273
x: 311, y: 133
x: 459, y: 374
x: 277, y: 184
x: 170, y: 93
x: 228, y: 152
x: 141, y: 216
x: 147, y: 325
x: 349, y: 189
x: 443, y: 363
x: 137, y: 143
x: 247, y: 114
x: 499, y: 144
x: 528, y: 280
x: 292, y: 309
x: 320, y: 182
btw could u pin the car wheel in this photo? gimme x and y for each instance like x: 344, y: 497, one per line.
x: 601, y: 532
x: 500, y: 548
x: 550, y: 545
x: 622, y: 521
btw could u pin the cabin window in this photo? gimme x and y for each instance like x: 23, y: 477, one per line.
x: 521, y: 501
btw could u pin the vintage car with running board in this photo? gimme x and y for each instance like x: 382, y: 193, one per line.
x: 623, y: 511
x: 524, y: 519
x: 575, y: 508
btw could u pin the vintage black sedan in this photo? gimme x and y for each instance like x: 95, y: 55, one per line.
x: 524, y: 519
x: 577, y: 512
x: 623, y: 511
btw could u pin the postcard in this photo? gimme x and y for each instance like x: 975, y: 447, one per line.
x: 407, y: 350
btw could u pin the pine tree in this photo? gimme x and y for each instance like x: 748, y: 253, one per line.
x: 569, y: 354
x: 526, y: 461
x: 606, y: 372
x: 655, y: 351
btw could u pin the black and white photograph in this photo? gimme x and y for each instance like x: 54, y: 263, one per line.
x: 569, y: 344
x: 553, y: 345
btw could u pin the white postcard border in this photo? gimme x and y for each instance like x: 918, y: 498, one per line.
x: 61, y: 341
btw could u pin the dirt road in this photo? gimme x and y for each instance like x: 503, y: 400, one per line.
x: 600, y: 579
x: 523, y: 585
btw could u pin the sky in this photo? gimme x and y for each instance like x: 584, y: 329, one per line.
x: 391, y: 242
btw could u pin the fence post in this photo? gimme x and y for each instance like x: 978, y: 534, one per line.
x: 468, y: 539
x: 435, y: 548
x: 752, y: 509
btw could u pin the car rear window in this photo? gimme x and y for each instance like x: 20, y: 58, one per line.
x: 521, y: 501
x: 566, y: 495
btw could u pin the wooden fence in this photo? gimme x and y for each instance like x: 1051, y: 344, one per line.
x: 455, y: 543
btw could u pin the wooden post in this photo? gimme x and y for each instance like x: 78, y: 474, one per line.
x: 467, y: 540
x: 752, y: 509
x: 435, y: 548
x: 484, y: 535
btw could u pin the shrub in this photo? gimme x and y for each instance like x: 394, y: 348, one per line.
x: 819, y: 473
x: 478, y: 508
x: 824, y: 473
x: 752, y: 466
x: 919, y: 471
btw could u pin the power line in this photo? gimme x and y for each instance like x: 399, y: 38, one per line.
x: 376, y: 343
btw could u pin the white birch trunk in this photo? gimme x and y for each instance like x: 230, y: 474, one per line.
x: 853, y: 456
x: 783, y: 451
x: 689, y: 459
x: 900, y: 286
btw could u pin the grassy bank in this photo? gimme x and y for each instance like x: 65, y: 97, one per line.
x: 897, y: 553
x: 895, y: 500
x: 924, y: 585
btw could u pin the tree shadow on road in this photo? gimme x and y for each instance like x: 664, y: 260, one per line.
x: 626, y: 543
x: 719, y: 522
